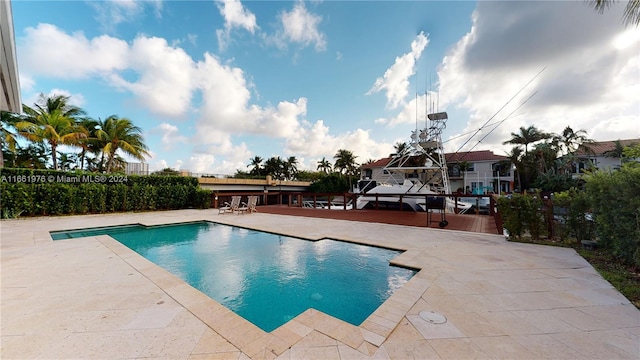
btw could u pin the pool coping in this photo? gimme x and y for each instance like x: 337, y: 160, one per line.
x: 249, y: 338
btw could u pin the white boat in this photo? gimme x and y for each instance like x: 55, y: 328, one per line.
x: 410, y: 195
x: 417, y: 176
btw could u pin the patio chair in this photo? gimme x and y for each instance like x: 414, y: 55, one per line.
x: 250, y: 205
x: 230, y: 206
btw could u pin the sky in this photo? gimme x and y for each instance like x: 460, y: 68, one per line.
x: 214, y: 83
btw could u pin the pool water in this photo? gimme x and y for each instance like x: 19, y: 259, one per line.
x: 266, y: 278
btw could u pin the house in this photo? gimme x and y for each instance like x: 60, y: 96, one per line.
x: 487, y: 172
x: 601, y: 155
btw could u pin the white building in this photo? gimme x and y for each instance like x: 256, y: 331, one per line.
x: 10, y: 98
x: 601, y: 155
x: 137, y: 169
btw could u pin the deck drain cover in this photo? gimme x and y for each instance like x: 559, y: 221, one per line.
x: 433, y: 317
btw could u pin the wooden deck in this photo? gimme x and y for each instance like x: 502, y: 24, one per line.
x: 474, y: 223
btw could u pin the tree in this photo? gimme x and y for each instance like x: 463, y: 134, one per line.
x: 89, y: 142
x: 401, y: 148
x: 290, y: 168
x: 256, y: 162
x: 464, y: 166
x: 345, y: 162
x: 631, y: 11
x: 166, y: 172
x: 527, y: 136
x: 274, y: 166
x: 515, y: 157
x: 324, y: 165
x: 569, y: 141
x: 119, y: 134
x: 8, y: 136
x: 51, y: 120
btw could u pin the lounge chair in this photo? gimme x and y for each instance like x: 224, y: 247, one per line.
x: 230, y: 206
x: 250, y: 205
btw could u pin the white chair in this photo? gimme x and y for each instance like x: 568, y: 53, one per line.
x: 230, y: 206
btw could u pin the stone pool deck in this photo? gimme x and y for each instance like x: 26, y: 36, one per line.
x: 94, y: 298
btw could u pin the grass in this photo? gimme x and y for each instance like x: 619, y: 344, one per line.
x: 624, y: 277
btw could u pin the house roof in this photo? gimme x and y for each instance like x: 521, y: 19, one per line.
x: 603, y: 147
x: 471, y: 156
x: 378, y: 163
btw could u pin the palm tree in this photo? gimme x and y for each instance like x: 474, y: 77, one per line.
x: 8, y: 122
x: 569, y: 141
x: 464, y: 166
x: 52, y: 120
x: 345, y: 162
x: 290, y: 168
x: 324, y: 165
x: 256, y: 162
x: 631, y: 12
x: 527, y: 136
x: 515, y: 157
x: 401, y: 148
x: 274, y: 166
x: 89, y: 143
x: 120, y: 134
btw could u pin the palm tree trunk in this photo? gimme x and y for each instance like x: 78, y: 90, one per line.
x: 54, y: 156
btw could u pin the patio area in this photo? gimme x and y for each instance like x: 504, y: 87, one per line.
x: 95, y: 298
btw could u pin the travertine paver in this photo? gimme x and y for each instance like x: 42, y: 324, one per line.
x: 95, y: 298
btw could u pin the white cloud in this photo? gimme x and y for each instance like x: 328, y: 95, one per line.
x: 100, y: 55
x: 315, y: 141
x: 338, y: 55
x: 165, y: 81
x: 170, y: 136
x: 235, y: 16
x: 112, y: 13
x: 395, y: 80
x: 300, y: 26
x: 590, y: 81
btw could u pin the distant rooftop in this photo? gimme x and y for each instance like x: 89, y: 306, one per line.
x: 603, y: 147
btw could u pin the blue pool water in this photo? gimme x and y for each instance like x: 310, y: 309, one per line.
x: 266, y: 278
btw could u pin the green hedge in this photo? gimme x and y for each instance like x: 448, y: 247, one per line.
x: 29, y: 192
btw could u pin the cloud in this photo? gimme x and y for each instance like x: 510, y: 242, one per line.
x: 170, y: 136
x: 338, y: 55
x: 590, y: 81
x: 112, y: 13
x: 163, y: 87
x: 315, y: 141
x: 100, y: 55
x: 395, y: 80
x: 235, y: 16
x: 299, y: 26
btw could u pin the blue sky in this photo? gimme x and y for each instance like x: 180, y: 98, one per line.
x: 214, y: 83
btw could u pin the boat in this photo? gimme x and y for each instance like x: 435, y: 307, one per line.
x: 418, y: 177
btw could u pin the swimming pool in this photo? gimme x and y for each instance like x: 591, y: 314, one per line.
x: 266, y: 278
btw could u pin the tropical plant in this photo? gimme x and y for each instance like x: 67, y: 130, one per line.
x: 324, y: 165
x: 52, y: 120
x: 526, y: 136
x: 119, y: 134
x: 345, y: 162
x: 290, y: 168
x: 8, y: 135
x: 274, y: 166
x: 515, y: 157
x: 166, y: 172
x: 569, y: 141
x: 256, y: 162
x: 401, y: 148
x: 89, y: 143
x: 631, y: 12
x: 464, y: 166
